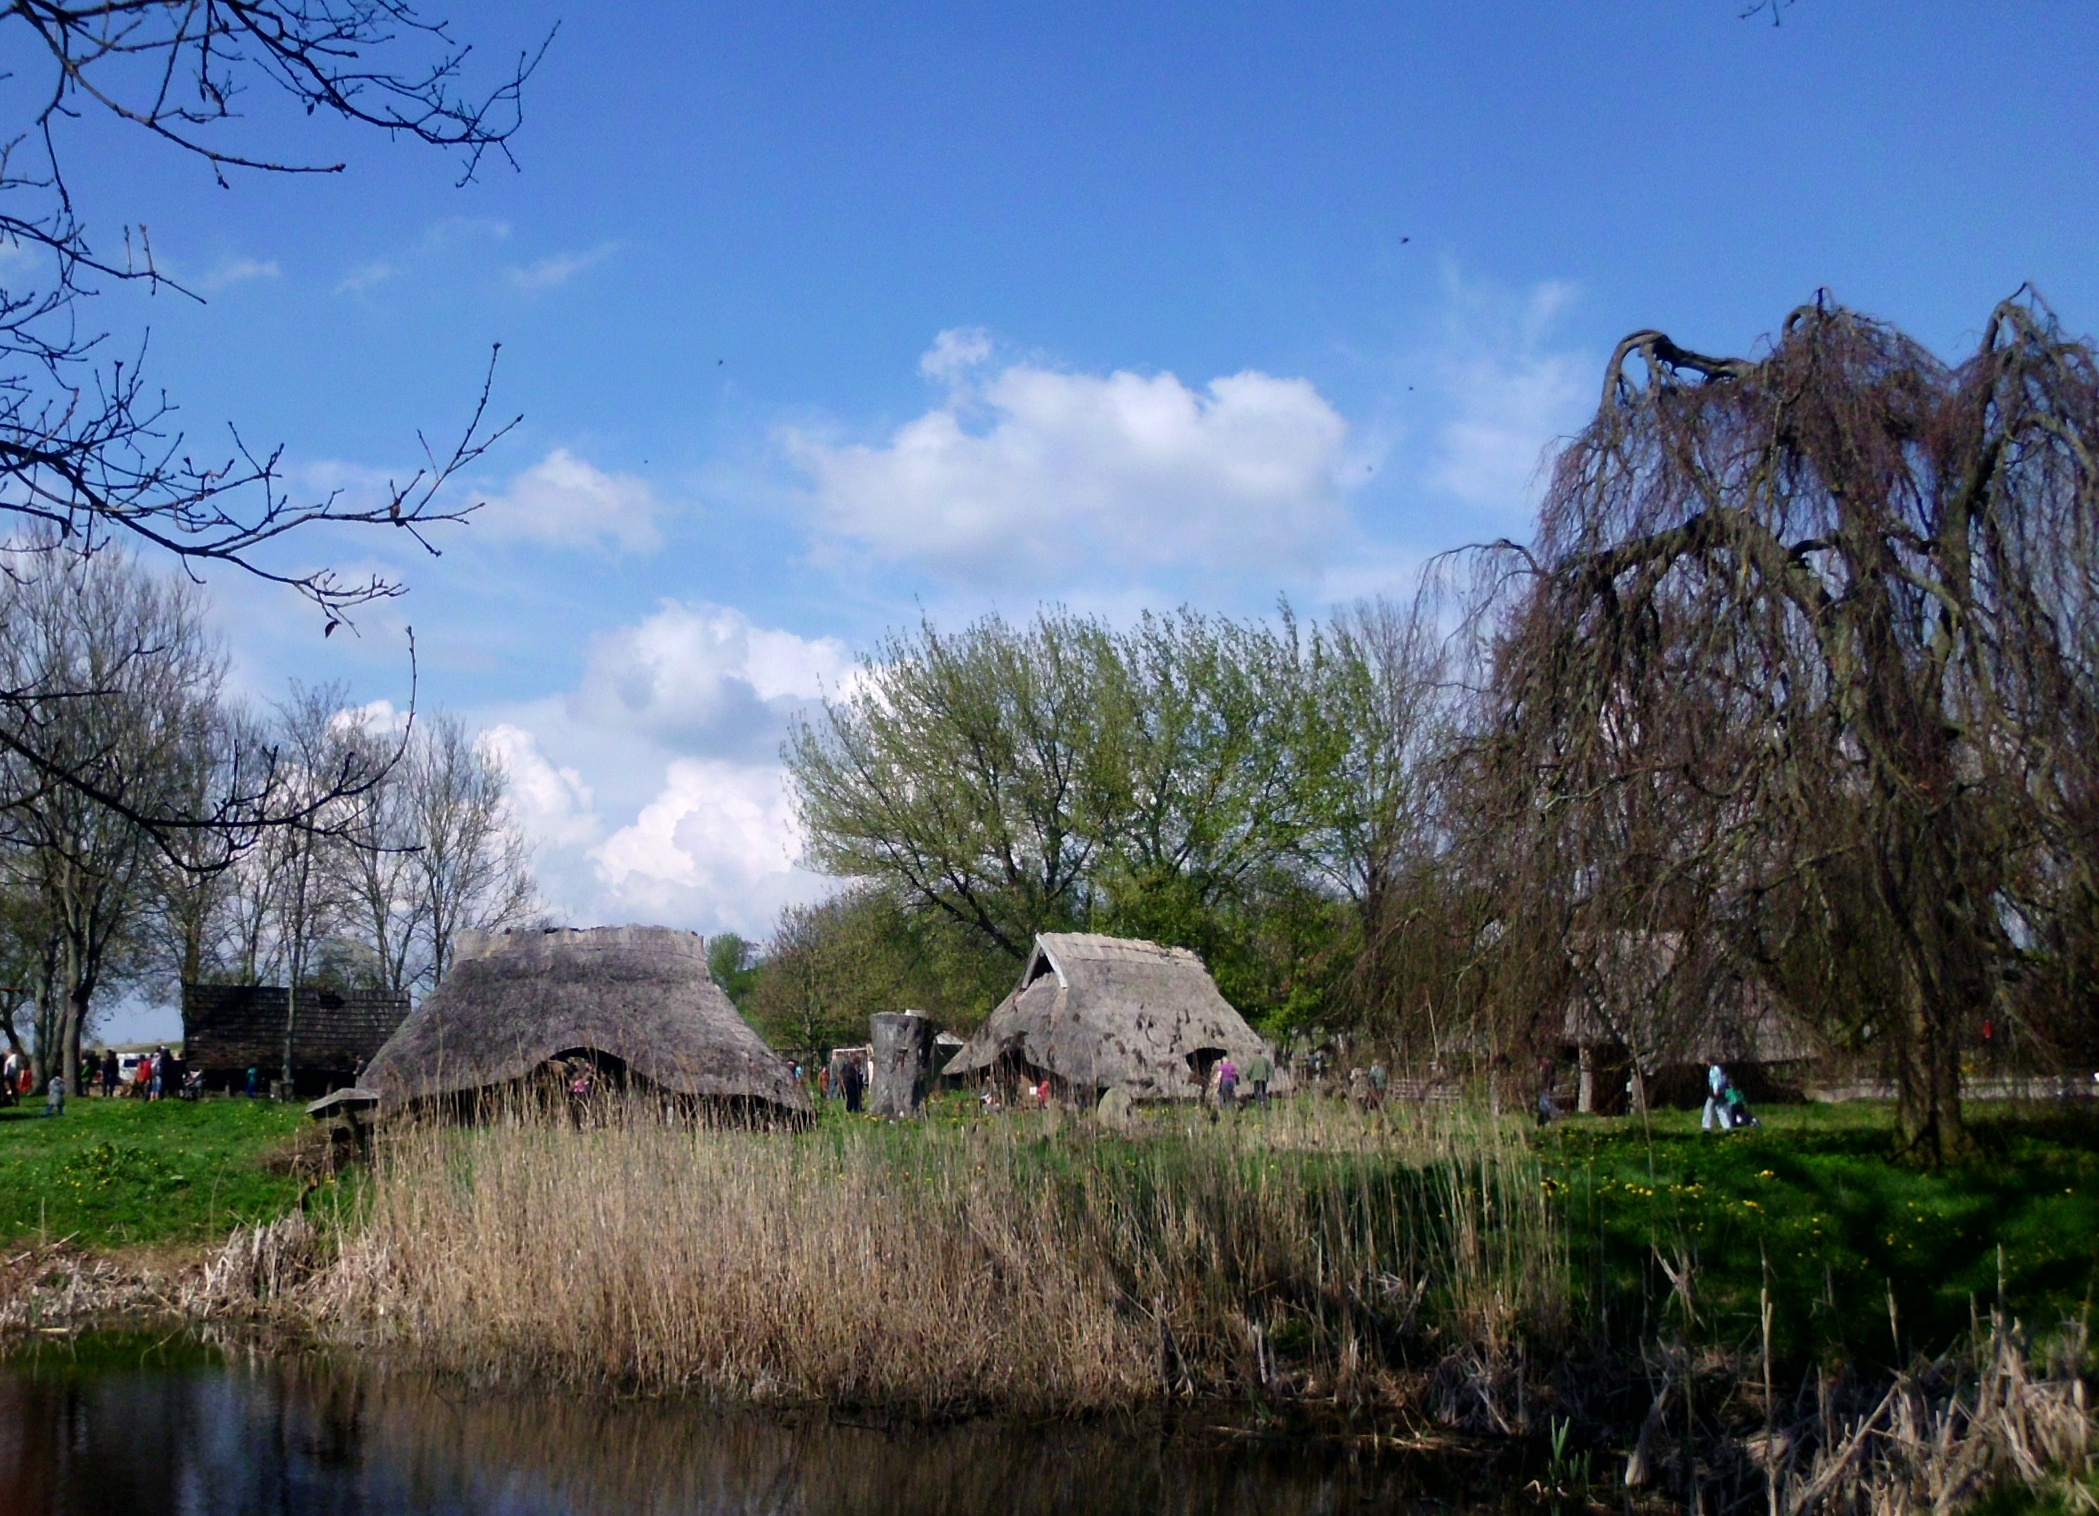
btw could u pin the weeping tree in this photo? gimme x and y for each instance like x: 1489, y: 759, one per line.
x: 1801, y: 669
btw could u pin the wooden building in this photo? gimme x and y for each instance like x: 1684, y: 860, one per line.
x: 228, y: 1029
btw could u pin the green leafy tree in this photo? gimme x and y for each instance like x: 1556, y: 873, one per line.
x: 831, y: 966
x: 1165, y: 782
x: 732, y: 963
x: 966, y: 773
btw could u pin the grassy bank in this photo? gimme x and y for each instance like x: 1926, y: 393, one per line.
x: 127, y: 1173
x: 1868, y: 1264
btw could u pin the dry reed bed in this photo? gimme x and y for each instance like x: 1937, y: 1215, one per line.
x: 1019, y: 1264
x: 1997, y: 1411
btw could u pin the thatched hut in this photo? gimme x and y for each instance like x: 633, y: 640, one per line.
x: 1096, y: 1013
x: 633, y: 1004
x: 1644, y: 1019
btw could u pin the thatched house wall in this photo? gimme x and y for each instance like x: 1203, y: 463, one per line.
x: 228, y: 1029
x: 1097, y: 1013
x: 640, y: 995
x: 1640, y: 1004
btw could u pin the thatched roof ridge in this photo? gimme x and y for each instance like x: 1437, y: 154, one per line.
x: 1112, y: 1012
x: 641, y: 994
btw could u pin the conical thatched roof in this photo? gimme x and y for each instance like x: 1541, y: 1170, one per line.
x: 641, y: 994
x: 1108, y: 1012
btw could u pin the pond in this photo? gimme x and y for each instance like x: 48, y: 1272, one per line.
x: 102, y: 1425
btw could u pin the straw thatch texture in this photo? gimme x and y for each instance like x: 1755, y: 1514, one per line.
x: 1638, y: 990
x: 1098, y: 1013
x: 640, y: 994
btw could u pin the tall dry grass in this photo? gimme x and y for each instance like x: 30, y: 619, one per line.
x: 1018, y: 1262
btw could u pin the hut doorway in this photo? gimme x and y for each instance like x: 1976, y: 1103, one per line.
x: 1201, y: 1062
x: 585, y: 1080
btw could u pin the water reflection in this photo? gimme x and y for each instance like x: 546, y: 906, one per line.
x: 124, y: 1429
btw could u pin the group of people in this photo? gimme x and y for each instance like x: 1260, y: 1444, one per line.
x: 18, y: 1080
x: 158, y: 1075
x: 847, y: 1083
x: 1258, y: 1075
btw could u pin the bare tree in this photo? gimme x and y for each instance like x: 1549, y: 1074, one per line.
x: 28, y: 964
x: 115, y: 674
x: 383, y: 909
x: 192, y: 923
x: 1386, y: 843
x: 470, y: 869
x: 1802, y: 667
x: 319, y: 751
x: 90, y: 452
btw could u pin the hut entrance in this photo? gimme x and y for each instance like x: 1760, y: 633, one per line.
x: 1019, y: 1082
x: 1201, y: 1061
x: 584, y: 1079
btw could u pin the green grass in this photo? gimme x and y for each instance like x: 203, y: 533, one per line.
x: 119, y: 1173
x: 1812, y: 1205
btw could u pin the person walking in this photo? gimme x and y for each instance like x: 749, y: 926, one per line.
x: 109, y: 1073
x: 1716, y: 1110
x: 1227, y: 1082
x: 1548, y: 1079
x: 1260, y: 1069
x: 55, y: 1096
x: 855, y: 1082
x: 158, y: 1080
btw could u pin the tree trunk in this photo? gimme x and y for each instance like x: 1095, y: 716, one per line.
x: 903, y: 1064
x: 1938, y: 965
x: 297, y: 963
x: 1928, y: 1125
x: 79, y: 988
x: 76, y: 1027
x: 291, y: 1028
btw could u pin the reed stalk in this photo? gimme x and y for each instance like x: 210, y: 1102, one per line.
x: 1018, y: 1263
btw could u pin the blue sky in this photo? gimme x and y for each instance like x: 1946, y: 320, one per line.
x: 819, y: 317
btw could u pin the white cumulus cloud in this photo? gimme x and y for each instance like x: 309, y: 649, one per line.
x: 1028, y: 469
x: 704, y: 677
x: 723, y: 830
x: 563, y: 501
x: 653, y: 789
x: 551, y: 804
